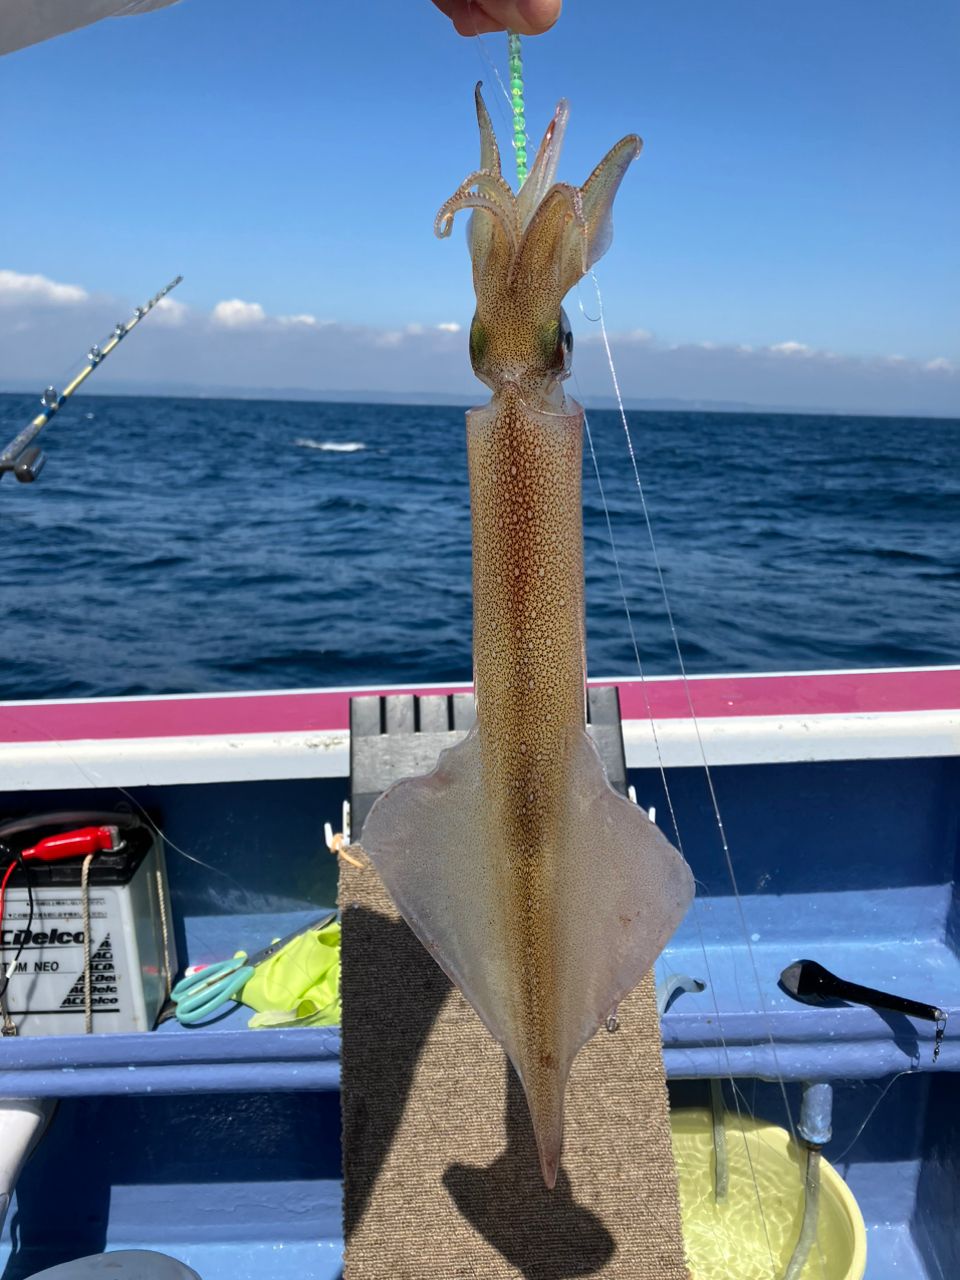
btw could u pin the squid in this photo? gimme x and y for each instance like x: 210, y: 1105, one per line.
x: 543, y: 894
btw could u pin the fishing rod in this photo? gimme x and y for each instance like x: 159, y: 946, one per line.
x: 24, y: 458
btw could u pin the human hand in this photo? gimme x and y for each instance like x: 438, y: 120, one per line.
x: 477, y: 17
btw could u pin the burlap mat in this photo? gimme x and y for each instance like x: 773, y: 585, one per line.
x: 441, y: 1178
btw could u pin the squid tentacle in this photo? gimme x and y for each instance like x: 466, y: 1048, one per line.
x: 543, y: 170
x: 489, y: 151
x: 492, y: 194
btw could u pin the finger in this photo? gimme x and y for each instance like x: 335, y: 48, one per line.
x: 468, y: 17
x: 528, y: 17
x: 478, y: 17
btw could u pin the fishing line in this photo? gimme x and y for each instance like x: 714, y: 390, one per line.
x: 908, y: 1071
x: 711, y: 789
x: 676, y: 827
x: 512, y: 96
x: 248, y: 896
x: 580, y: 302
x: 481, y: 45
x: 661, y: 961
x: 97, y: 784
x: 751, y: 1110
x: 667, y: 793
x: 515, y: 102
x: 658, y: 569
x: 702, y: 753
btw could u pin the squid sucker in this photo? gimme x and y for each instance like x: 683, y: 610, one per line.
x: 542, y: 893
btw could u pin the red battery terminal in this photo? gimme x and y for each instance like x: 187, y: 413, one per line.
x: 74, y: 844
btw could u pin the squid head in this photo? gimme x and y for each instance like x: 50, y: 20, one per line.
x: 529, y: 249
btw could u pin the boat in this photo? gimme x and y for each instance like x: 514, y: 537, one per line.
x: 220, y: 1146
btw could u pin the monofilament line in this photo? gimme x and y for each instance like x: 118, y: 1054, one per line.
x: 513, y: 96
x: 516, y: 101
x: 711, y: 985
x: 693, y: 716
x: 658, y: 569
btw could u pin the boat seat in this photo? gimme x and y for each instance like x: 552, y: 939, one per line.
x: 127, y: 1264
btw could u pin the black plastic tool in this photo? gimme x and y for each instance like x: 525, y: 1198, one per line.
x: 806, y: 980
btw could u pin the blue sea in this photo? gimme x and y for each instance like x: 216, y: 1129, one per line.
x: 178, y: 545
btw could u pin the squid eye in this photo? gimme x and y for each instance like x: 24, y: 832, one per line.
x: 566, y: 341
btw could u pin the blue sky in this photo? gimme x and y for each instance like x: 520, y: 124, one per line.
x: 793, y: 218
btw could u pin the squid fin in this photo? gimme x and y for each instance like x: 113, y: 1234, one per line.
x: 614, y: 891
x: 428, y: 837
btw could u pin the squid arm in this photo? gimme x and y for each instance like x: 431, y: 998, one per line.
x: 543, y: 894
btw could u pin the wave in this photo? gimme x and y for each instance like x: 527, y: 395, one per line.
x: 787, y: 566
x: 330, y: 446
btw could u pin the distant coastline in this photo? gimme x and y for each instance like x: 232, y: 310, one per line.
x: 190, y: 391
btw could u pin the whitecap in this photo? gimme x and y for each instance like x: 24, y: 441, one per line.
x: 330, y: 446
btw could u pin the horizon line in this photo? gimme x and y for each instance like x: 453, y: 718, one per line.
x: 439, y: 399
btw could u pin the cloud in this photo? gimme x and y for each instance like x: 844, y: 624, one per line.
x: 594, y: 335
x: 792, y: 349
x: 171, y: 312
x: 236, y: 314
x: 182, y: 347
x: 25, y: 290
x: 397, y: 337
x: 389, y: 338
x: 791, y: 374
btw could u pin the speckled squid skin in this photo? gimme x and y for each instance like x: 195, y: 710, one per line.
x: 528, y: 632
x: 541, y: 892
x: 530, y: 679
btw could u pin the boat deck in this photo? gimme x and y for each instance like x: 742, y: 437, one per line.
x: 841, y: 802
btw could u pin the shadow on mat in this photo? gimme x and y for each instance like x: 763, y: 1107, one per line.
x: 545, y: 1234
x: 380, y: 1068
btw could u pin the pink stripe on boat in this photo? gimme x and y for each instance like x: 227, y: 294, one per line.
x: 833, y: 693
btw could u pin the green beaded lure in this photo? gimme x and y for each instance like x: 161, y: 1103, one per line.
x: 516, y: 98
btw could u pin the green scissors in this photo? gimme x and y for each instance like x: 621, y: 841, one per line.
x: 205, y: 992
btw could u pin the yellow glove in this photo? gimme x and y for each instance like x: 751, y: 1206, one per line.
x: 300, y: 985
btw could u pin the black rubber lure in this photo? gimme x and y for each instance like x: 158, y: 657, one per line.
x: 811, y: 982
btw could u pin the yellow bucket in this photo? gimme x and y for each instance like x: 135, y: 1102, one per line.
x: 751, y: 1236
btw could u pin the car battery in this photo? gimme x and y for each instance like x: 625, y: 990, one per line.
x: 131, y: 954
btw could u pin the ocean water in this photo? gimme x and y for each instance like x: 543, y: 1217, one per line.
x: 178, y: 545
